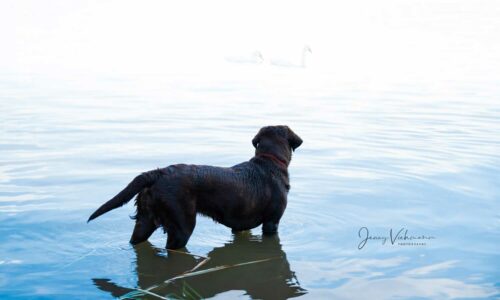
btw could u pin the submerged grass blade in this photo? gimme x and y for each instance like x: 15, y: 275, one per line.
x: 131, y: 295
x: 152, y: 294
x: 195, y: 273
x: 139, y: 292
x: 190, y: 292
x: 201, y: 263
x: 173, y: 296
x: 214, y: 269
x: 187, y: 253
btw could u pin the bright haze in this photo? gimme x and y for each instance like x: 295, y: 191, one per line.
x: 347, y: 38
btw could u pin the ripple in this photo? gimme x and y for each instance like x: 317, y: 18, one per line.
x: 408, y: 156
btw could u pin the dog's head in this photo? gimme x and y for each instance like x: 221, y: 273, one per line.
x: 279, y: 141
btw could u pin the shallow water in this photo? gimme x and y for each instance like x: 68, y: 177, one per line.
x: 420, y: 157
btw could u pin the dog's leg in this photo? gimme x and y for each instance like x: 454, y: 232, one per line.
x: 144, y: 220
x: 271, y: 221
x: 143, y: 229
x: 179, y: 236
x: 180, y: 222
x: 270, y: 227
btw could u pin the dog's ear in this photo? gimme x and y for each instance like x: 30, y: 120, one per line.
x: 294, y: 140
x: 256, y: 140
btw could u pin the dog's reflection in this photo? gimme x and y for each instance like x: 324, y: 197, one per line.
x: 267, y: 279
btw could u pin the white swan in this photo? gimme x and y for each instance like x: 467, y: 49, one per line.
x: 285, y: 63
x: 255, y: 58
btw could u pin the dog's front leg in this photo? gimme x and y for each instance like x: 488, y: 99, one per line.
x: 272, y: 219
x: 270, y: 227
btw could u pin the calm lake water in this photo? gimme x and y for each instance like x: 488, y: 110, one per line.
x: 377, y: 156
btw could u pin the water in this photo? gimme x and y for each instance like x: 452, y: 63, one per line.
x: 398, y: 107
x: 388, y: 156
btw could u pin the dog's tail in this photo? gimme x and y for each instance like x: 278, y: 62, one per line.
x: 140, y: 182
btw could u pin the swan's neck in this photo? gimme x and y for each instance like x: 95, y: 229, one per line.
x: 303, y: 61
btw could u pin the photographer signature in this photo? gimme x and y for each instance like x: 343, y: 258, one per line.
x: 401, y: 238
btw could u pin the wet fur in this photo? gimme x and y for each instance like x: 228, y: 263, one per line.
x: 241, y: 197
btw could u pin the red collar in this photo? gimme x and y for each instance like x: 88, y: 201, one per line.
x: 281, y: 162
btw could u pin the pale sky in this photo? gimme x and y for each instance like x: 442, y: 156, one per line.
x: 166, y: 36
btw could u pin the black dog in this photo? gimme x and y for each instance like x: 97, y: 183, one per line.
x: 241, y: 197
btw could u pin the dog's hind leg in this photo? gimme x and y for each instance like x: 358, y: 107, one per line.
x: 181, y: 222
x: 143, y: 229
x: 177, y: 238
x: 145, y: 223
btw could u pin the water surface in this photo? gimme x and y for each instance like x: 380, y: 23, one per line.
x: 388, y: 156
